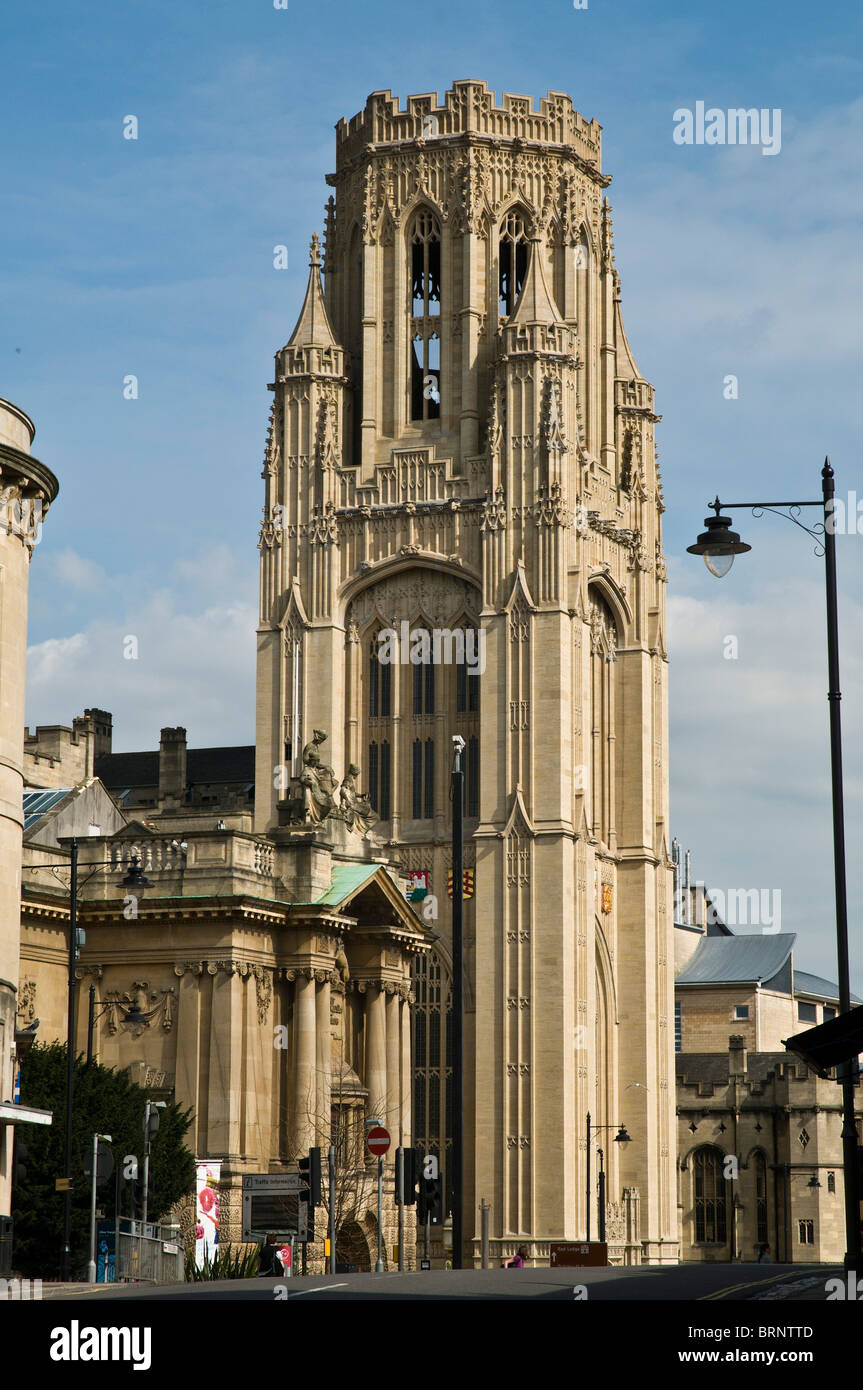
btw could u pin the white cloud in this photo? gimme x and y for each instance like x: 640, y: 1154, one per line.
x: 75, y: 571
x: 194, y: 667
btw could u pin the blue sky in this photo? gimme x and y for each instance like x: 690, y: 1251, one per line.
x: 154, y: 258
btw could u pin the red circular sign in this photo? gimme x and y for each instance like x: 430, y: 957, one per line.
x: 377, y: 1141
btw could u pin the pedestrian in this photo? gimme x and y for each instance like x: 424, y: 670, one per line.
x: 518, y: 1259
x: 764, y: 1255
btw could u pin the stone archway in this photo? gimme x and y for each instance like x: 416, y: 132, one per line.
x: 353, y: 1248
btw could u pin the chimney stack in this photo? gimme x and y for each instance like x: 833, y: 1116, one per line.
x: 737, y: 1055
x: 172, y: 766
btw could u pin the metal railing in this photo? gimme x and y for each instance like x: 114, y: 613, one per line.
x: 150, y: 1253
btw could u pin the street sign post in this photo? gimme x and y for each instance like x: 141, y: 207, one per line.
x: 377, y: 1143
x: 571, y: 1254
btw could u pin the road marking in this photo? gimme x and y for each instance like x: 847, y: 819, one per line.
x: 752, y: 1284
x: 322, y: 1288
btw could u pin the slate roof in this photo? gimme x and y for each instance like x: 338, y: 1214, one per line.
x: 804, y: 983
x: 712, y: 1067
x: 203, y: 765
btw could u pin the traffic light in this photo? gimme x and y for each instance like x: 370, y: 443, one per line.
x: 19, y: 1165
x: 430, y: 1206
x: 412, y: 1172
x: 311, y: 1168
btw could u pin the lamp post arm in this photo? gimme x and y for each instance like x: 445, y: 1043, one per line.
x: 777, y: 509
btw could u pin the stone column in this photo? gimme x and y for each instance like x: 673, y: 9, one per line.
x: 376, y: 1052
x: 406, y: 1087
x: 305, y: 1090
x: 187, y: 1081
x: 224, y: 1063
x: 394, y: 1048
x: 324, y: 1061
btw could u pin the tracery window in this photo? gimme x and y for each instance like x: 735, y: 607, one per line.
x: 473, y: 776
x: 424, y: 687
x: 425, y: 308
x: 431, y: 1022
x: 512, y: 261
x: 711, y: 1220
x: 422, y: 769
x: 380, y: 682
x: 379, y: 778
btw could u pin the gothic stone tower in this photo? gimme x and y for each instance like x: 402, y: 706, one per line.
x: 460, y: 438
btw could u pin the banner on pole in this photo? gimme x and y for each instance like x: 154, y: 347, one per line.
x: 207, y: 1212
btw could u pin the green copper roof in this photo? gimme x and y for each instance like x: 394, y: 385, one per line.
x: 347, y: 880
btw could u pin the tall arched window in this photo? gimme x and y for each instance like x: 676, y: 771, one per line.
x: 425, y: 316
x: 380, y: 682
x: 711, y: 1216
x: 472, y: 797
x: 431, y: 1019
x: 512, y: 261
x: 379, y: 778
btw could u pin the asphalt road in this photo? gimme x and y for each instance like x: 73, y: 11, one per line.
x: 684, y: 1283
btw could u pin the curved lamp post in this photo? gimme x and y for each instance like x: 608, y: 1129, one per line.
x: 718, y: 544
x: 621, y: 1137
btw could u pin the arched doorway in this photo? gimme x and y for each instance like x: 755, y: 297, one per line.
x: 352, y: 1247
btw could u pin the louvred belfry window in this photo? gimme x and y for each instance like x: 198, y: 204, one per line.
x: 512, y: 261
x: 425, y: 317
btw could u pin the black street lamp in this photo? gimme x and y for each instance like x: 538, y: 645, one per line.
x: 621, y: 1137
x: 131, y: 1015
x: 718, y: 545
x: 136, y: 878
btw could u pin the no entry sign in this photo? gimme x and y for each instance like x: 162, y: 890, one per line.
x: 377, y: 1141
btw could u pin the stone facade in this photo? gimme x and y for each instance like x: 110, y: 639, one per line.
x: 59, y: 756
x: 272, y: 979
x: 756, y: 1131
x: 759, y: 1134
x: 27, y: 489
x: 460, y: 438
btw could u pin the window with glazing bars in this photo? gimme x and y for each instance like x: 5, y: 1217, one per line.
x: 710, y: 1197
x: 424, y: 688
x: 428, y: 805
x: 473, y: 776
x: 380, y: 683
